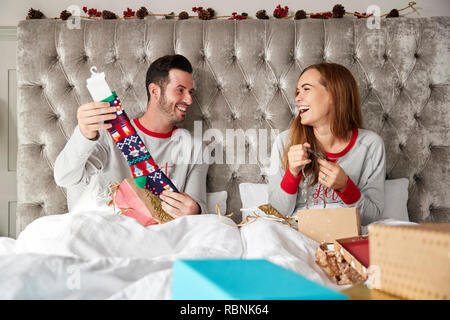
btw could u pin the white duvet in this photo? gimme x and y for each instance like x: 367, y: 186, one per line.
x: 103, y: 255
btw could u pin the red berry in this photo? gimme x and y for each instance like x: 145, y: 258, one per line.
x: 85, y: 9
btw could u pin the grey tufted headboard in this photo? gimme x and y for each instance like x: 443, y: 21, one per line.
x: 245, y: 73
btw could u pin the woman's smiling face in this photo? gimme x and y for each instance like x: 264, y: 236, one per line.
x: 313, y: 100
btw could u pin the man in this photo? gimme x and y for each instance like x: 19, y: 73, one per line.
x: 91, y: 160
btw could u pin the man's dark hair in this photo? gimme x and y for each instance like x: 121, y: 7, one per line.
x: 158, y: 72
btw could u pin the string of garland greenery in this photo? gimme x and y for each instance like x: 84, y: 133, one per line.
x: 279, y: 12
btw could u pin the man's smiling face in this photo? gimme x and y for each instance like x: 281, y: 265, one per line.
x: 176, y: 95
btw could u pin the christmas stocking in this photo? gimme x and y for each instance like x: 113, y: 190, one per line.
x: 145, y: 171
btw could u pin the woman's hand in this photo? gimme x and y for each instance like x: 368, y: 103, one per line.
x: 298, y: 157
x: 178, y: 204
x: 331, y: 175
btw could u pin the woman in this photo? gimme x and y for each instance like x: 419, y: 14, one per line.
x: 325, y: 158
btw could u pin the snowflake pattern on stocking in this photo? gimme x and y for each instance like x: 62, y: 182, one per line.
x: 136, y: 154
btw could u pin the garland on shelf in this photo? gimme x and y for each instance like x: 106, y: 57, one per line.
x: 338, y: 11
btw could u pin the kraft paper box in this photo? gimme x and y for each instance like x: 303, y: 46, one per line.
x: 355, y: 251
x: 138, y: 203
x: 412, y: 262
x: 341, y: 264
x: 327, y: 225
x: 217, y: 279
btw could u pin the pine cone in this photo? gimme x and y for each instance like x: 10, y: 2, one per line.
x: 142, y: 13
x: 212, y: 13
x: 64, y: 15
x: 204, y: 15
x: 183, y: 15
x: 108, y: 15
x: 393, y: 14
x: 34, y: 14
x: 261, y: 14
x: 338, y: 11
x: 300, y: 14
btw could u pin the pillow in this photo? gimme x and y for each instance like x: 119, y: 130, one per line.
x: 395, y: 201
x: 252, y: 196
x: 220, y: 198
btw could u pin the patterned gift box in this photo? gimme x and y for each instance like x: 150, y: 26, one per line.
x: 412, y: 262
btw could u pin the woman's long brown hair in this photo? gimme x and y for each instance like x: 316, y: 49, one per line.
x: 342, y: 86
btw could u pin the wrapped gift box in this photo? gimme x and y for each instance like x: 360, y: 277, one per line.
x: 329, y: 224
x: 412, y: 262
x: 140, y: 204
x: 217, y: 279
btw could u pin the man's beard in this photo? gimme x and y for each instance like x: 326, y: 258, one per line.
x: 168, y: 109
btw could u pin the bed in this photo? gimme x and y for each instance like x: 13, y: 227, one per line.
x: 245, y: 73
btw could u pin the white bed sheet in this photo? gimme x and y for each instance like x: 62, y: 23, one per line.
x: 102, y: 255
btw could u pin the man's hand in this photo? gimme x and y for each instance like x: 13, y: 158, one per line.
x: 331, y: 175
x: 178, y: 204
x: 91, y: 116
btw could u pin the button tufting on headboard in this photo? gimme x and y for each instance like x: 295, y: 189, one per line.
x: 245, y: 74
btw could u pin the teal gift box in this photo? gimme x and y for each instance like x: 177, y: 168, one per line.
x: 217, y: 279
